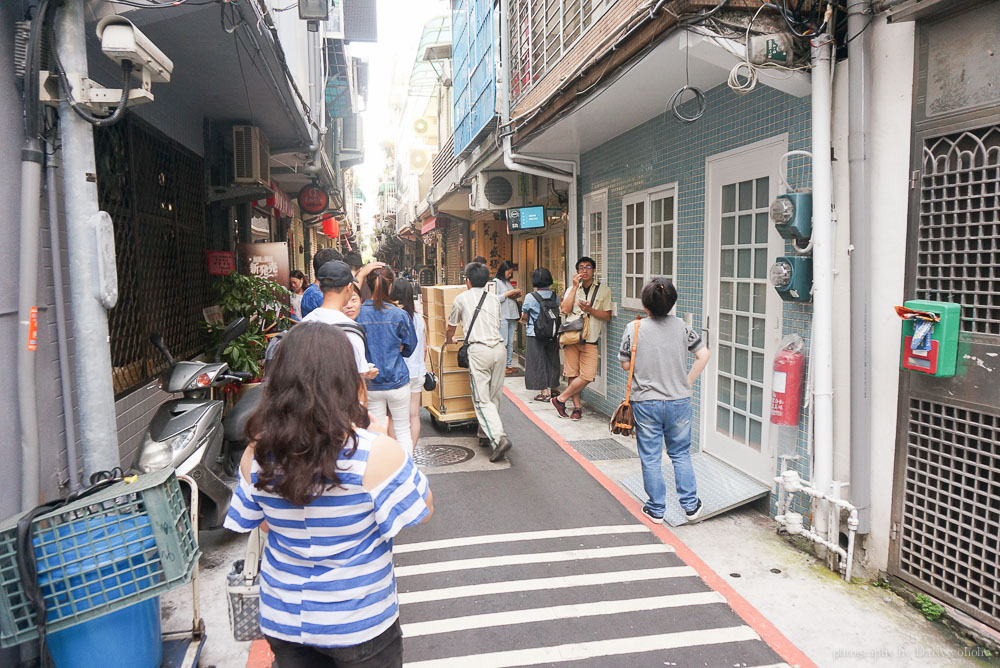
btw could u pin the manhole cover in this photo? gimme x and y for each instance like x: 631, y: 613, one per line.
x: 437, y: 454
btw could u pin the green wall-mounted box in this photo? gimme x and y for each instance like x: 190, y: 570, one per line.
x: 942, y: 358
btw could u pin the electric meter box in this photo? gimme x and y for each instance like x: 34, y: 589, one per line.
x: 792, y: 215
x: 792, y: 277
x: 941, y: 359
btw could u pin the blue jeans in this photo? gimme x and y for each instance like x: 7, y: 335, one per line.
x: 507, y: 332
x: 660, y: 423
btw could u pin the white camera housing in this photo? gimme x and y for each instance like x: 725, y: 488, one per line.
x: 121, y: 40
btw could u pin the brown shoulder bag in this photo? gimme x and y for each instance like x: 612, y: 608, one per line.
x: 622, y: 420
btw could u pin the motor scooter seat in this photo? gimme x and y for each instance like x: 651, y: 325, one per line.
x: 235, y: 422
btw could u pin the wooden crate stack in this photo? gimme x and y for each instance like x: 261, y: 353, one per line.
x: 453, y: 394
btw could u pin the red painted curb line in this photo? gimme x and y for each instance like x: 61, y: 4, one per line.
x: 764, y: 628
x: 260, y: 655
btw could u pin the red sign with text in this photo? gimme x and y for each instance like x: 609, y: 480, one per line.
x: 313, y: 199
x: 220, y: 263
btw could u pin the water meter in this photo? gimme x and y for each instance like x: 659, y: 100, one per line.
x: 791, y: 276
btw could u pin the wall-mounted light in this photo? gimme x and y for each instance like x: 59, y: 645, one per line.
x: 314, y: 10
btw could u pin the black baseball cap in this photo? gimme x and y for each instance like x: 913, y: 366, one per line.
x: 335, y: 273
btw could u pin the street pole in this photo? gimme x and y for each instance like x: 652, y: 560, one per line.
x: 91, y: 349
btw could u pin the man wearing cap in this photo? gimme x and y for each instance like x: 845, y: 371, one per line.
x: 335, y: 280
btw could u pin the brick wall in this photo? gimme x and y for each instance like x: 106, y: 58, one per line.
x: 662, y: 151
x: 134, y: 412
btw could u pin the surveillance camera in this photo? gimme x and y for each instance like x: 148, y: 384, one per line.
x: 121, y: 41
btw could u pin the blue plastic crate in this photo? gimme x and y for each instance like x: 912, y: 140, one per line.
x: 122, y: 545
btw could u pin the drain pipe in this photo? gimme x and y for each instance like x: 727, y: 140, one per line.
x: 859, y: 88
x: 510, y: 158
x: 823, y: 272
x: 91, y: 352
x: 790, y: 483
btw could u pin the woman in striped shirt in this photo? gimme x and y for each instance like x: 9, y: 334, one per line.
x: 332, y: 494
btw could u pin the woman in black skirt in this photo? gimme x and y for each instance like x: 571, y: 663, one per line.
x: 541, y: 364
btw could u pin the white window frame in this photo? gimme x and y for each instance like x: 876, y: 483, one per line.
x: 597, y: 202
x: 646, y: 197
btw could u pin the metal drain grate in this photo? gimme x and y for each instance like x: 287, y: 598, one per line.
x: 951, y: 506
x: 603, y: 449
x: 959, y: 246
x: 437, y: 454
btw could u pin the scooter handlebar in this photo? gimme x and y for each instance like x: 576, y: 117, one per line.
x: 241, y: 376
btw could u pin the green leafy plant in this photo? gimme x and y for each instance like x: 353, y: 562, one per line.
x: 263, y: 303
x: 928, y: 608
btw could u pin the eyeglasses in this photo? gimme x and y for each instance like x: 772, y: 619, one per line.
x: 585, y: 267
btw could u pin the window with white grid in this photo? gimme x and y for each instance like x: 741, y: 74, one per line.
x: 649, y: 240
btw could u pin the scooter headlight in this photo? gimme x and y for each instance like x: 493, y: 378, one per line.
x: 156, y: 455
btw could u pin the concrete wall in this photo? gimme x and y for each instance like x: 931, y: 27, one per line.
x: 892, y: 100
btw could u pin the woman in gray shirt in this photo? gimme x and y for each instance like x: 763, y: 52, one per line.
x: 510, y: 312
x: 661, y: 396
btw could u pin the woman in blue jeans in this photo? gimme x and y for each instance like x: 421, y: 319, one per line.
x: 510, y: 312
x: 661, y: 396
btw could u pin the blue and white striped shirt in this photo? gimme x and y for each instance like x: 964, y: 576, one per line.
x: 326, y: 573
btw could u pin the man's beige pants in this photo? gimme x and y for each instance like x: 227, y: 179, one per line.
x: 486, y: 374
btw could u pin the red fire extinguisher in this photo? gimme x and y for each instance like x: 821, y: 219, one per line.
x: 786, y: 388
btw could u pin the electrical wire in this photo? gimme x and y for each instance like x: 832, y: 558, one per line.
x: 246, y: 88
x: 165, y: 5
x: 677, y: 99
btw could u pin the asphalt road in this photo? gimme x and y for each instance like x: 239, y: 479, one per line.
x: 537, y: 564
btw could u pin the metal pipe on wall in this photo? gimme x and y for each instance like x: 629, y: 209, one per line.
x: 65, y: 384
x: 92, y: 353
x: 859, y: 88
x: 822, y: 94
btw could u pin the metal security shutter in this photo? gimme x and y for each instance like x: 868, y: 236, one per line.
x: 951, y: 506
x: 959, y: 235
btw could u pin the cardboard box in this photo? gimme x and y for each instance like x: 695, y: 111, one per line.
x: 450, y: 357
x: 441, y: 294
x: 459, y: 404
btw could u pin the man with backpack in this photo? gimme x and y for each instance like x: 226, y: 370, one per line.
x: 542, y: 319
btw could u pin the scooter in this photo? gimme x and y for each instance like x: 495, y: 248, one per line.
x: 190, y: 433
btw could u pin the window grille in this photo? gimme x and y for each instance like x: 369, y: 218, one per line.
x: 154, y: 190
x: 958, y: 257
x: 950, y: 516
x: 542, y: 32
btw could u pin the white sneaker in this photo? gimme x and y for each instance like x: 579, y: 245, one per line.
x: 695, y: 515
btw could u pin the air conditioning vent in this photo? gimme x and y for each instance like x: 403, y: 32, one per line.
x: 500, y: 190
x: 250, y: 155
x: 419, y: 160
x: 350, y: 134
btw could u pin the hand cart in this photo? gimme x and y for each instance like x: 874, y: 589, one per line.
x: 182, y: 649
x: 442, y: 416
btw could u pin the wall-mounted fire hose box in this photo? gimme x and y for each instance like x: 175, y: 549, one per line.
x: 929, y: 337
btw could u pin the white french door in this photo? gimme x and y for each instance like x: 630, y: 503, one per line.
x: 743, y: 310
x: 595, y: 244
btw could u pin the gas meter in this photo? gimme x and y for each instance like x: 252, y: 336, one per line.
x: 791, y: 276
x: 792, y: 216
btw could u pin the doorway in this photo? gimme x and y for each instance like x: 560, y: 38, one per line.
x: 743, y: 313
x: 595, y: 243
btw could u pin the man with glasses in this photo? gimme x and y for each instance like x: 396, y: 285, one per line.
x: 584, y: 299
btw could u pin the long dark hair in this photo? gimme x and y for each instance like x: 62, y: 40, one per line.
x: 307, y: 414
x: 402, y: 294
x: 502, y: 269
x: 380, y: 283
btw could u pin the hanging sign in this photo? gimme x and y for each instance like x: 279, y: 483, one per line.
x: 313, y: 199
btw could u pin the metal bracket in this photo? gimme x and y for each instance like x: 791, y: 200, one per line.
x: 91, y: 95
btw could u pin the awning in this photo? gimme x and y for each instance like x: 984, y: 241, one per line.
x: 433, y: 223
x: 279, y: 201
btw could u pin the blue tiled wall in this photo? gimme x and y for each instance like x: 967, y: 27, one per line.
x: 663, y: 150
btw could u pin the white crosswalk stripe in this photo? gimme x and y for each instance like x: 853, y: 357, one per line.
x: 565, y: 603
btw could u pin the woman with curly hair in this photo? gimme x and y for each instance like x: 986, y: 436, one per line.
x: 332, y: 495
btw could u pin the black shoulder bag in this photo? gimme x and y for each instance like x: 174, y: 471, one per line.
x: 463, y: 352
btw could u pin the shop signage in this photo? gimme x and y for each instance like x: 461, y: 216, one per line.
x: 267, y: 260
x: 313, y: 199
x: 220, y: 263
x: 526, y: 218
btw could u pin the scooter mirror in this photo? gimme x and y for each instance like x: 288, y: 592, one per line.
x: 233, y: 331
x: 157, y: 342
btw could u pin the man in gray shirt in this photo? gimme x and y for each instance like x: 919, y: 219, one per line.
x: 661, y: 396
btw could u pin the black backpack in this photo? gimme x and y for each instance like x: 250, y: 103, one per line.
x: 549, y: 319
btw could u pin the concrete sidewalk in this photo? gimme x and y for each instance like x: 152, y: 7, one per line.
x: 833, y: 623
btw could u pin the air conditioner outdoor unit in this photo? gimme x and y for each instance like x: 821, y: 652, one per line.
x: 426, y: 128
x: 500, y: 190
x: 350, y: 133
x: 250, y: 155
x: 419, y: 158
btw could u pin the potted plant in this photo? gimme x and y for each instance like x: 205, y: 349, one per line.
x: 264, y: 304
